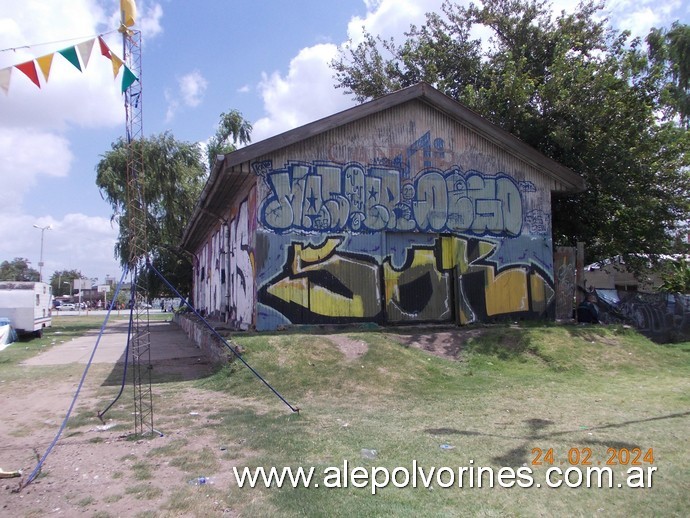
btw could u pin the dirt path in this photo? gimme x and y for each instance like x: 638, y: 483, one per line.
x: 97, y: 470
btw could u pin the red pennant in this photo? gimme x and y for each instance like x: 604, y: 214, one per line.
x: 29, y: 68
x: 105, y: 50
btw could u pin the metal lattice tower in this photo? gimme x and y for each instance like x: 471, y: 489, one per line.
x: 136, y: 216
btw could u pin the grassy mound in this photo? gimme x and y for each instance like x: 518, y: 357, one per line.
x: 502, y: 396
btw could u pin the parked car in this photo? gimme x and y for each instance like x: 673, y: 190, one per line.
x: 67, y: 306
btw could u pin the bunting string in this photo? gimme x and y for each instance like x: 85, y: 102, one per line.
x: 78, y: 55
x: 46, y: 43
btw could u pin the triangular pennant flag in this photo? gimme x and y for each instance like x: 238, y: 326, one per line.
x: 128, y: 78
x: 117, y: 63
x: 29, y: 68
x: 70, y: 54
x: 5, y: 75
x: 105, y: 50
x: 45, y: 62
x: 85, y: 49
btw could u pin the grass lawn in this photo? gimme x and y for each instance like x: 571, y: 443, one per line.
x: 534, y: 397
x: 529, y: 398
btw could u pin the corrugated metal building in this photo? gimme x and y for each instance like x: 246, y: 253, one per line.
x: 409, y: 208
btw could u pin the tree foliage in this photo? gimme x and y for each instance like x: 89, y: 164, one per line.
x: 676, y: 277
x: 18, y: 270
x: 232, y: 129
x: 172, y: 180
x: 62, y: 281
x: 173, y: 176
x: 612, y: 108
x: 670, y: 51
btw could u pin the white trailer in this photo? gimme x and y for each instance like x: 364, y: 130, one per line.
x: 27, y: 304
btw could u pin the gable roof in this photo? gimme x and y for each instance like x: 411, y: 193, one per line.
x: 421, y: 92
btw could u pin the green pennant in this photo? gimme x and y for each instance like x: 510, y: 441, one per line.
x: 128, y: 78
x: 70, y: 54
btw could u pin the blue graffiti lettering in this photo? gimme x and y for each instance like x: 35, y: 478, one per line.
x: 335, y: 197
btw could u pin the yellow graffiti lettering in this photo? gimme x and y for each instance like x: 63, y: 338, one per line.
x: 538, y: 292
x: 313, y: 254
x: 327, y: 303
x: 291, y: 290
x: 506, y: 292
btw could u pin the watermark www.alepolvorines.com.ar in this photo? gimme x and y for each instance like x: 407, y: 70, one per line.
x: 416, y: 476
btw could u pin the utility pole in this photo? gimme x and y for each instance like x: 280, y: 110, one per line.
x: 40, y: 262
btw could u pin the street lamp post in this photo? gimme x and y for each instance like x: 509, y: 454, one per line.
x: 40, y: 262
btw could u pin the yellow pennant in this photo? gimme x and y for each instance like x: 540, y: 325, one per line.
x: 44, y: 63
x: 117, y: 63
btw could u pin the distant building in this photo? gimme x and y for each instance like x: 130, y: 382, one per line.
x: 410, y: 208
x: 613, y: 274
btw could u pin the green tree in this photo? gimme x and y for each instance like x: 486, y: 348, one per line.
x: 670, y: 51
x: 62, y: 281
x: 675, y: 277
x: 593, y: 99
x: 171, y: 181
x: 232, y: 129
x: 18, y: 270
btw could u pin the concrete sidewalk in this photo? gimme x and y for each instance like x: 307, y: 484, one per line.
x: 168, y: 342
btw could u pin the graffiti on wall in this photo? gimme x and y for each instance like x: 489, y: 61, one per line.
x: 328, y: 197
x: 663, y: 317
x: 322, y: 284
x: 241, y: 272
x: 395, y: 234
x: 416, y: 284
x: 488, y: 289
x: 325, y: 283
x: 565, y: 283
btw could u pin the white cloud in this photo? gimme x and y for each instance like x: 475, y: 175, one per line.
x: 90, y: 98
x: 308, y: 91
x: 22, y: 166
x: 640, y: 16
x: 390, y: 18
x: 35, y: 124
x: 190, y: 92
x: 76, y: 241
x: 192, y: 88
x: 149, y: 21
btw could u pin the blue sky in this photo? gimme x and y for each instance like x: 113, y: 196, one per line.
x: 268, y: 59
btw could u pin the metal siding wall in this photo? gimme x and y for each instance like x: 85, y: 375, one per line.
x: 242, y: 275
x: 416, y: 290
x: 318, y: 279
x: 332, y: 213
x: 564, y: 273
